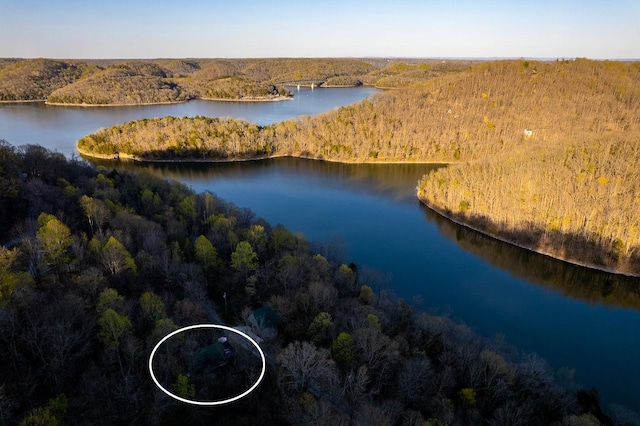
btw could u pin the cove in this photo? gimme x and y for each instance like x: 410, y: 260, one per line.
x: 573, y: 317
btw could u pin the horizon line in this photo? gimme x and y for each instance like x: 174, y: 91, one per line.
x: 450, y: 58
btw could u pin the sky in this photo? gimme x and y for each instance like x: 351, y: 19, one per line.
x: 126, y: 29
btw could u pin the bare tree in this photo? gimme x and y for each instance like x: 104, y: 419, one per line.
x: 302, y: 365
x: 378, y: 352
x: 415, y: 378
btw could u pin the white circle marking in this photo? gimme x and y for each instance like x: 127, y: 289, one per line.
x: 207, y: 403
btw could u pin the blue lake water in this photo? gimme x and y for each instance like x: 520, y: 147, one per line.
x: 572, y: 317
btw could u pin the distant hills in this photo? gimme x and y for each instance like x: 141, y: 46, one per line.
x: 136, y: 82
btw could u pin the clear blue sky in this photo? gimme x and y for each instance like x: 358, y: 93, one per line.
x: 598, y: 29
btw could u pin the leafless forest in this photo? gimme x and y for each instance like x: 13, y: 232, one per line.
x: 546, y: 153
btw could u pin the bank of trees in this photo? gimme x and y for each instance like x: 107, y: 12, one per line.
x: 578, y: 201
x: 101, y: 264
x: 239, y: 88
x: 480, y: 112
x: 288, y: 69
x: 181, y: 138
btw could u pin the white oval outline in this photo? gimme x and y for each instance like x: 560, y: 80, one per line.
x: 207, y: 403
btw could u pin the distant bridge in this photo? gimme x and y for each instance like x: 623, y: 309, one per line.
x: 303, y: 83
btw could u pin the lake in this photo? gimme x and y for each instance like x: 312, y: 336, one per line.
x: 571, y: 316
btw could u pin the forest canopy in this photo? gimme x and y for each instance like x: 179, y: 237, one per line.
x: 97, y: 265
x: 537, y: 144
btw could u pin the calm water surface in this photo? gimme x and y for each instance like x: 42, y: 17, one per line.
x: 59, y: 127
x: 571, y: 316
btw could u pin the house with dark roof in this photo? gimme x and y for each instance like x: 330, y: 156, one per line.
x: 215, y: 355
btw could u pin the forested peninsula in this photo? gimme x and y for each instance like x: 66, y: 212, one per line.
x: 97, y: 265
x: 143, y: 82
x: 546, y: 154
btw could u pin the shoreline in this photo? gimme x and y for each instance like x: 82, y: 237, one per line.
x: 542, y: 252
x: 256, y: 99
x: 129, y: 157
x: 246, y: 99
x: 23, y: 101
x: 83, y: 105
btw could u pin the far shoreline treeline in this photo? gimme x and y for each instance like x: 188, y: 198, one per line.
x: 547, y: 152
x: 160, y: 81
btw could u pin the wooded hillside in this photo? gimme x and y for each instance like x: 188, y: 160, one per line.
x: 461, y: 116
x: 35, y: 79
x: 565, y: 132
x: 124, y: 84
x: 571, y: 188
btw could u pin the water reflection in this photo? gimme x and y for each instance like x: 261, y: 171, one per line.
x: 574, y: 281
x: 394, y: 181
